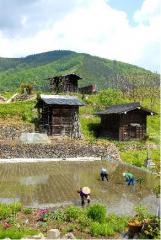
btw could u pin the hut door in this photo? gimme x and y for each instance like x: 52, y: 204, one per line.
x: 132, y: 132
x: 57, y: 127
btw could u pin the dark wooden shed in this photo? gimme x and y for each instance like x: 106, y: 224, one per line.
x: 59, y: 115
x: 66, y: 83
x: 124, y: 122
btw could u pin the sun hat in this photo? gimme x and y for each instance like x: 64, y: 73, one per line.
x: 86, y: 190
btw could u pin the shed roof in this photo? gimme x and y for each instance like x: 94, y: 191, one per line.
x: 124, y: 108
x: 72, y: 76
x: 61, y: 100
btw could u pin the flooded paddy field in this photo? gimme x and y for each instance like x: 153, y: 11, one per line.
x: 53, y: 184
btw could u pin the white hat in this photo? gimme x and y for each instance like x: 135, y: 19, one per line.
x: 86, y: 190
x: 124, y: 174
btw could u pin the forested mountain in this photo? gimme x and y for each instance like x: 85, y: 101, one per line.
x: 37, y: 68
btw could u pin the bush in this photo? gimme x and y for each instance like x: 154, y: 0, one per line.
x: 15, y: 207
x: 151, y: 230
x: 27, y: 210
x: 72, y: 213
x: 97, y: 213
x: 110, y: 96
x: 118, y: 223
x: 101, y: 229
x: 84, y: 222
x: 6, y: 210
x: 57, y: 215
x: 142, y: 213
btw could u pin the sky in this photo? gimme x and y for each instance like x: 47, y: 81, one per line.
x: 123, y: 30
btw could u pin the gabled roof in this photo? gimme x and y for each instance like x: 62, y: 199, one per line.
x: 124, y: 108
x: 61, y: 100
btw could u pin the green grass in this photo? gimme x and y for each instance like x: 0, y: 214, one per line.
x: 7, y: 94
x: 153, y: 129
x: 22, y: 110
x: 89, y: 127
x: 16, y: 233
x: 7, y: 210
x: 138, y: 157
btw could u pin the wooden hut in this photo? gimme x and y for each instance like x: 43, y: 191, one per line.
x: 59, y: 115
x: 66, y: 83
x: 124, y: 122
x: 90, y: 89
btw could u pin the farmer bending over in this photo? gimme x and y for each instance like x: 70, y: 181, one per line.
x: 103, y: 174
x: 84, y: 195
x: 129, y: 178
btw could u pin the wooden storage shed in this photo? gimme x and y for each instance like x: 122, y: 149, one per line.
x: 124, y: 122
x: 59, y: 115
x: 66, y: 83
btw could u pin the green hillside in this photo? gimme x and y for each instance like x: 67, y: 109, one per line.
x: 94, y: 70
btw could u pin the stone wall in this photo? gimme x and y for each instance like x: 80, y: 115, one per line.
x: 12, y: 132
x: 58, y: 149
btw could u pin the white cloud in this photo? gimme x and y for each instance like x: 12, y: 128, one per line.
x: 92, y: 27
x: 149, y: 10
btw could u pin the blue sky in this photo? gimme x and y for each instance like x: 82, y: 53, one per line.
x: 124, y: 30
x: 129, y: 6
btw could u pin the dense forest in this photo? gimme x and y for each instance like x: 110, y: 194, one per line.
x: 104, y: 73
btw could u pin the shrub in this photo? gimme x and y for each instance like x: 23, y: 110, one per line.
x: 15, y: 207
x: 27, y: 210
x: 72, y: 213
x: 110, y: 96
x: 151, y: 230
x: 84, y: 222
x: 57, y: 215
x: 6, y: 210
x: 101, y: 229
x: 71, y: 227
x: 142, y: 213
x: 118, y: 223
x: 97, y: 213
x: 95, y: 229
x: 26, y: 88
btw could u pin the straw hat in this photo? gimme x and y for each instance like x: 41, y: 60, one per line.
x: 86, y: 190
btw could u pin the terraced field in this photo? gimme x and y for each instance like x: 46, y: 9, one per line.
x: 56, y: 183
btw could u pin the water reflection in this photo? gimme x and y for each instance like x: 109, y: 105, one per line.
x: 34, y: 180
x: 56, y: 184
x: 9, y: 200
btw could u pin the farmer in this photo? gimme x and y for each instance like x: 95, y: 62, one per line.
x: 84, y: 195
x: 129, y: 178
x: 104, y: 174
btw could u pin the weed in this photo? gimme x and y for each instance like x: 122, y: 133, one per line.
x: 72, y: 213
x: 97, y: 213
x: 57, y: 215
x: 27, y: 210
x: 98, y: 229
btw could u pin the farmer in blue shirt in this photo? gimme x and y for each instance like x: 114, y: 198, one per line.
x: 104, y: 174
x: 129, y: 178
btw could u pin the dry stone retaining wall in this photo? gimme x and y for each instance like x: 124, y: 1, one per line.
x: 11, y: 132
x: 62, y: 149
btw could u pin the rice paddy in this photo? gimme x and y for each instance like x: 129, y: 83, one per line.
x: 49, y: 184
